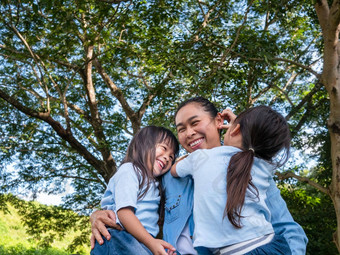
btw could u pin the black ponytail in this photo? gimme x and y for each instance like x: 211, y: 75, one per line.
x: 265, y: 133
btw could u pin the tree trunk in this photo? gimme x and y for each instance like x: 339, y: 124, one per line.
x: 329, y: 18
x: 334, y: 131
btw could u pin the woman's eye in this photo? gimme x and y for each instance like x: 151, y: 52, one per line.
x: 194, y: 123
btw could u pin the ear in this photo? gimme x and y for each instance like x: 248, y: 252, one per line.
x: 219, y: 120
x: 235, y: 130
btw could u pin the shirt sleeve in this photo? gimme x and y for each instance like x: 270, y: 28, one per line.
x: 283, y: 222
x: 126, y: 187
x: 107, y: 202
x: 185, y: 166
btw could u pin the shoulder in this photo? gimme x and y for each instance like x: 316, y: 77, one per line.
x: 224, y: 150
x: 228, y: 149
x: 126, y: 169
x: 262, y: 168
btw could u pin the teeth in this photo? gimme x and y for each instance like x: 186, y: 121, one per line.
x: 161, y: 163
x: 196, y: 142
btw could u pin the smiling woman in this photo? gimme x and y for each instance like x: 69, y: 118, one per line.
x: 198, y: 124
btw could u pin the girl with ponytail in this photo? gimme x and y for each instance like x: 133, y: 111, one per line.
x: 231, y: 184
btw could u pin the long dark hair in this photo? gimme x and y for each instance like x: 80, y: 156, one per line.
x: 142, y: 149
x: 265, y: 134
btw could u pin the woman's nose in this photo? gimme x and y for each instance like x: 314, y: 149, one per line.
x: 190, y: 132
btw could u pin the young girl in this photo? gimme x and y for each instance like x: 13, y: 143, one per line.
x: 134, y: 193
x: 231, y: 182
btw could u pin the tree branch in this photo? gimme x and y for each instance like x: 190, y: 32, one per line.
x: 113, y: 1
x: 96, y: 122
x: 287, y: 175
x: 335, y: 15
x: 237, y: 33
x: 117, y: 92
x: 64, y: 134
x: 205, y: 18
x: 307, y: 98
x: 307, y: 68
x: 283, y: 90
x: 228, y: 50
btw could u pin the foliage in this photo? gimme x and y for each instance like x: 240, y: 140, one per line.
x: 21, y: 250
x: 315, y: 212
x: 30, y: 226
x: 79, y: 78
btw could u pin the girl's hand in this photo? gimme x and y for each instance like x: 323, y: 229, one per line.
x: 158, y: 247
x: 229, y: 116
x: 181, y: 157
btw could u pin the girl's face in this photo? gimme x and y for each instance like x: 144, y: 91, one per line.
x: 163, y: 160
x: 196, y: 128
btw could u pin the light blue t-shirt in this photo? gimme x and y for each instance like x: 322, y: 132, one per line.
x: 123, y: 191
x: 208, y: 168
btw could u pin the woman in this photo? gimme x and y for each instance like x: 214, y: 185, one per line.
x: 198, y: 125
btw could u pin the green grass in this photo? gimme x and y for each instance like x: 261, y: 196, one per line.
x: 14, y: 239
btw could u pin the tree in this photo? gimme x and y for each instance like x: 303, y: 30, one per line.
x: 79, y: 78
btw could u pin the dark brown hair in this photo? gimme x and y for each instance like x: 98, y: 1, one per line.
x: 265, y: 134
x: 142, y: 149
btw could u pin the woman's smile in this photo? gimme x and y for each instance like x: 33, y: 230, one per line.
x: 196, y: 143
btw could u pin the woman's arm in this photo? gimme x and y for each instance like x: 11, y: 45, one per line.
x: 134, y: 227
x: 283, y: 222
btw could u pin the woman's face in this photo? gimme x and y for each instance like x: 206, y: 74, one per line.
x: 196, y: 128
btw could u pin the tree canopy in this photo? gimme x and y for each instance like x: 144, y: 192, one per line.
x: 79, y: 78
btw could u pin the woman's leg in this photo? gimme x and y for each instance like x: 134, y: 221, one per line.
x: 203, y: 251
x: 121, y: 243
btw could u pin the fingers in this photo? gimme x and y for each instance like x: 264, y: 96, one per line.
x: 102, y: 230
x: 167, y: 246
x: 170, y: 252
x: 107, y: 217
x: 228, y: 115
x: 96, y: 236
x: 223, y: 126
x: 111, y: 215
x: 98, y: 220
x: 92, y: 241
x: 118, y: 227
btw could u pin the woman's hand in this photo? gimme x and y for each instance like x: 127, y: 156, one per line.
x: 99, y: 220
x: 159, y: 246
x: 229, y: 116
